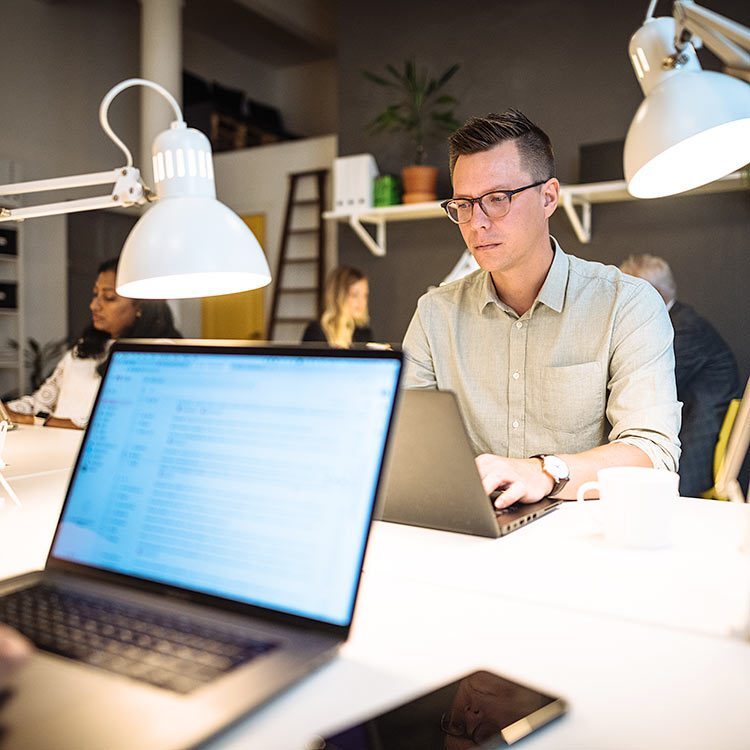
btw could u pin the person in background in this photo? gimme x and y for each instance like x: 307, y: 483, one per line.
x: 560, y: 366
x: 66, y: 397
x: 15, y: 651
x: 705, y: 371
x: 346, y: 319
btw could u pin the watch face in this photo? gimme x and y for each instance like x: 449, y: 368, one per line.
x: 557, y: 467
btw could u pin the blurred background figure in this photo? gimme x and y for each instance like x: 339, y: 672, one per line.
x: 346, y: 318
x: 68, y: 394
x: 705, y: 371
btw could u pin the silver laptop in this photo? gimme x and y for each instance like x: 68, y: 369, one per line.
x: 432, y: 479
x: 210, y: 546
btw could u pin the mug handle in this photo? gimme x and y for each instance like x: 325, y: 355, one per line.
x: 584, y: 488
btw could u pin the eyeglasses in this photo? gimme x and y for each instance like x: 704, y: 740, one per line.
x: 495, y: 204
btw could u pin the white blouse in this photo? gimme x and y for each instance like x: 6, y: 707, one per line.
x: 68, y: 393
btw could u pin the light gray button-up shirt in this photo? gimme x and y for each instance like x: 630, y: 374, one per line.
x: 590, y: 362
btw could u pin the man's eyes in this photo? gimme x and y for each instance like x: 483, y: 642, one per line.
x: 496, y: 198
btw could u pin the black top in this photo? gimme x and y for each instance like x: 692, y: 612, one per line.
x: 315, y: 332
x: 707, y: 379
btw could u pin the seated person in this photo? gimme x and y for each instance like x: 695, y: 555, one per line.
x: 705, y: 371
x: 69, y: 393
x: 561, y: 366
x: 346, y: 319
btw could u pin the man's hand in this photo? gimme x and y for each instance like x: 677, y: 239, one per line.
x: 518, y: 478
x: 15, y: 651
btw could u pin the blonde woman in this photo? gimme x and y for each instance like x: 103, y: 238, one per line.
x: 346, y: 319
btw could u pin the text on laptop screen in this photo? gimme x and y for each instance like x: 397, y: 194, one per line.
x: 251, y: 477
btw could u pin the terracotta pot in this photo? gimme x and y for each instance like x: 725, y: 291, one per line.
x: 420, y: 184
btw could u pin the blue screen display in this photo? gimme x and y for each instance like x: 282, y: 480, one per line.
x: 250, y: 477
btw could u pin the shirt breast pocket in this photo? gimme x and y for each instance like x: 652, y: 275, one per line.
x: 573, y: 398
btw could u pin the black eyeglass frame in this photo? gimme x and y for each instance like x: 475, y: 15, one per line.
x: 472, y: 201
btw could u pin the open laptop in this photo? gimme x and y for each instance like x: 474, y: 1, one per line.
x: 209, y: 550
x: 432, y: 479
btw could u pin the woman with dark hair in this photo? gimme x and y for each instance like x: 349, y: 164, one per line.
x: 66, y: 397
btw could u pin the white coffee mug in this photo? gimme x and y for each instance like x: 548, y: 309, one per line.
x: 635, y: 505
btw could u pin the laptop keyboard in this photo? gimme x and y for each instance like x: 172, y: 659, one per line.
x: 166, y: 651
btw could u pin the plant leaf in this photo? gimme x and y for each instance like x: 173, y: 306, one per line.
x: 395, y: 73
x: 446, y: 76
x: 377, y: 79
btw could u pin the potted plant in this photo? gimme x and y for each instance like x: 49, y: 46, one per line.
x: 421, y: 112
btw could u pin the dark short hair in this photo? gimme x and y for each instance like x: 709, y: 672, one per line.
x: 483, y: 133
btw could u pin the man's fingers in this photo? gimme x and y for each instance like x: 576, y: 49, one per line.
x: 514, y: 492
x: 493, y: 481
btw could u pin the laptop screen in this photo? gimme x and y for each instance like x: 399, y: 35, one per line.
x: 249, y: 476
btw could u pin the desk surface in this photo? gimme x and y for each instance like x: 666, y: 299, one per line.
x: 612, y: 631
x: 33, y: 450
x: 699, y: 583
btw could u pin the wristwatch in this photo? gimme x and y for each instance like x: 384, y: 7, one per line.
x: 555, y: 467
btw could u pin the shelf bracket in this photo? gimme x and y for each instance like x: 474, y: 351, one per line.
x: 581, y: 224
x: 377, y: 245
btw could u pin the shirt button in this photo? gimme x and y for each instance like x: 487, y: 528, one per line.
x: 515, y: 424
x: 516, y: 375
x: 519, y: 324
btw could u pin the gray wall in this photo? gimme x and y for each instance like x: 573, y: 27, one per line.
x: 566, y: 66
x: 93, y: 237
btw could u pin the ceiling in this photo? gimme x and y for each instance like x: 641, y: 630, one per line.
x: 280, y: 34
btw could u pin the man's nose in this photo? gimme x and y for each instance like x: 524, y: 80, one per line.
x: 479, y: 218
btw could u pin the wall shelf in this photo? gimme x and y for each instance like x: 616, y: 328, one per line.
x: 575, y: 200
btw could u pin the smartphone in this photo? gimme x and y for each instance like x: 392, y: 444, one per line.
x: 480, y: 710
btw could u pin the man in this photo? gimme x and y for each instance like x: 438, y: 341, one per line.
x: 705, y: 371
x: 547, y: 353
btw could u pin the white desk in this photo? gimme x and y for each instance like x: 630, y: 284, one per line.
x: 33, y: 450
x: 536, y: 606
x: 700, y: 583
x: 629, y: 686
x: 38, y: 464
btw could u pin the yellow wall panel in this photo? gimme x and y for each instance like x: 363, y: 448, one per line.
x: 236, y: 316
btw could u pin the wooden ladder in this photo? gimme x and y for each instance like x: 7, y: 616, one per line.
x: 309, y: 291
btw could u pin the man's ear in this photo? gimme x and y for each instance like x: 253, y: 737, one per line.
x: 550, y: 196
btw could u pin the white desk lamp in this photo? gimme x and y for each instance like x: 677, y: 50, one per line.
x: 188, y: 244
x: 693, y: 127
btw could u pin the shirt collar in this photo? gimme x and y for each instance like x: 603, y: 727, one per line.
x: 552, y: 293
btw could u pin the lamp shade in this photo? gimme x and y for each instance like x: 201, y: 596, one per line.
x: 690, y: 130
x: 693, y: 126
x: 190, y: 246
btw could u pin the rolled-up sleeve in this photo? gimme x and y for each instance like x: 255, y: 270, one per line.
x: 642, y: 405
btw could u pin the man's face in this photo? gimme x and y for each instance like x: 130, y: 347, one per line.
x: 504, y: 244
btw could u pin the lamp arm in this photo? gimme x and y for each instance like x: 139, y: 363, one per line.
x: 128, y: 188
x: 127, y: 191
x: 114, y: 91
x: 727, y: 39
